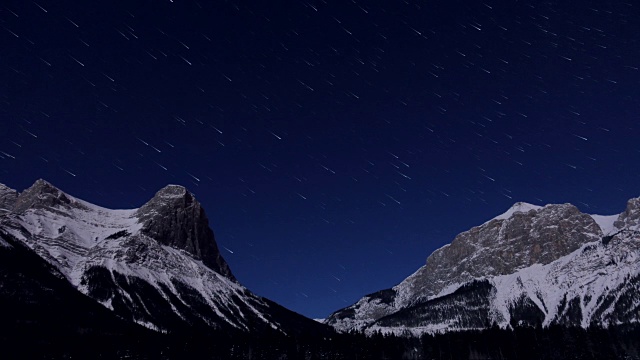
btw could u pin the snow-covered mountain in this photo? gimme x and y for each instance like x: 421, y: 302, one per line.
x: 158, y: 265
x: 531, y: 265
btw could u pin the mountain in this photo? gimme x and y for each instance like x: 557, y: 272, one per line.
x: 44, y: 316
x: 530, y: 266
x: 157, y: 266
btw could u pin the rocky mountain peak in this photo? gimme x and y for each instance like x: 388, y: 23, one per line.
x: 519, y: 207
x: 630, y: 217
x: 8, y: 197
x: 175, y: 218
x: 173, y: 191
x: 537, y: 235
x: 43, y: 195
x: 519, y: 238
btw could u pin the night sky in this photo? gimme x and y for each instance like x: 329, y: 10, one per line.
x: 333, y: 144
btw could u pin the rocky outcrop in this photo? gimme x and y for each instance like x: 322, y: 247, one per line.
x: 525, y: 237
x: 502, y: 246
x: 175, y: 218
x: 43, y: 195
x: 8, y: 198
x: 630, y: 217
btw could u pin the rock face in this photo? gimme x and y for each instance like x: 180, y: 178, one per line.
x: 503, y: 245
x: 527, y: 246
x: 158, y: 266
x: 42, y: 195
x: 8, y: 198
x: 174, y: 217
x: 630, y: 218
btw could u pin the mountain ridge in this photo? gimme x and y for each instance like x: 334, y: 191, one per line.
x: 158, y: 265
x: 525, y: 237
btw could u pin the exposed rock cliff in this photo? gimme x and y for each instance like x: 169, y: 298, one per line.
x: 525, y: 240
x: 174, y: 217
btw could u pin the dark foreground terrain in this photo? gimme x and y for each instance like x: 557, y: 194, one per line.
x: 521, y: 343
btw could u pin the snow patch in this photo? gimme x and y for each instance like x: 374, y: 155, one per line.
x: 606, y: 223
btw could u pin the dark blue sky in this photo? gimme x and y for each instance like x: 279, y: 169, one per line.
x: 334, y: 144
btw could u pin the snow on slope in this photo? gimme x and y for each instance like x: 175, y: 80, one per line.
x: 529, y: 253
x: 606, y: 223
x: 78, y: 237
x: 594, y: 285
x: 587, y: 274
x: 68, y: 235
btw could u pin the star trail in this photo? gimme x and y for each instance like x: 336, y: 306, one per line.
x: 334, y: 144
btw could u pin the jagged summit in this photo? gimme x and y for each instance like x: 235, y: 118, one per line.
x: 174, y: 217
x: 41, y: 195
x: 8, y: 198
x: 630, y: 217
x: 172, y: 190
x: 519, y: 207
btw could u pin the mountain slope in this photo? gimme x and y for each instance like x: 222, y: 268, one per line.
x: 530, y: 266
x: 34, y: 297
x: 158, y: 266
x: 43, y: 316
